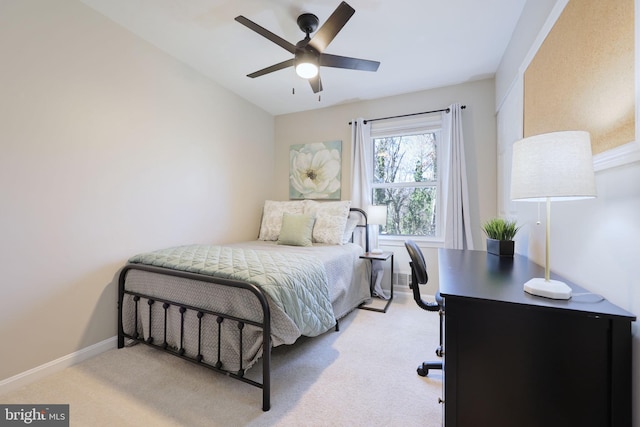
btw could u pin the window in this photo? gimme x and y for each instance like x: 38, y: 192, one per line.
x: 406, y: 177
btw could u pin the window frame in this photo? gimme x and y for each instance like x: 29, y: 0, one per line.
x: 412, y: 126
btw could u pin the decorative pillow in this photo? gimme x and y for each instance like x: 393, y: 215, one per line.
x: 272, y: 217
x: 349, y: 228
x: 331, y: 220
x: 296, y: 230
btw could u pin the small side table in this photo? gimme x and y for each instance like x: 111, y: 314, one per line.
x: 384, y: 256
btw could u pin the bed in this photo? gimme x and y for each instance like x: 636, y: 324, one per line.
x: 225, y: 307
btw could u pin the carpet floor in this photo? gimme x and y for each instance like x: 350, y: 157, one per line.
x: 363, y: 375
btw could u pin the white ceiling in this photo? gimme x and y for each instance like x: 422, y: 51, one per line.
x: 421, y: 44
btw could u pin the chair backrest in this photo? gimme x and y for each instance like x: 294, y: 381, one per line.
x: 419, y: 275
x: 418, y: 265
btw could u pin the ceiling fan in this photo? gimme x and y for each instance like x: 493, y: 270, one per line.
x: 309, y: 52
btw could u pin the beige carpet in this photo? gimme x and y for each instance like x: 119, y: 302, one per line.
x: 363, y: 375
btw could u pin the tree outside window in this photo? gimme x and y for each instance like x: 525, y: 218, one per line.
x: 406, y: 180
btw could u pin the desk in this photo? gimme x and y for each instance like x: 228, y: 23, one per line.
x: 513, y: 359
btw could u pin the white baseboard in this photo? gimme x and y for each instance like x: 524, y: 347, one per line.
x: 57, y: 365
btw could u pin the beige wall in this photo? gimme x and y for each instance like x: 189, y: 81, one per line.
x: 109, y: 147
x: 594, y: 243
x: 331, y: 124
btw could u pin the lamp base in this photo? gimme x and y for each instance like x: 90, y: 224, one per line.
x: 553, y: 289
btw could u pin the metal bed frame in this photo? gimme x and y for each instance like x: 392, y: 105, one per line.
x: 218, y: 365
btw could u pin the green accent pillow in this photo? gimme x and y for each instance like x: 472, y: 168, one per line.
x: 296, y: 230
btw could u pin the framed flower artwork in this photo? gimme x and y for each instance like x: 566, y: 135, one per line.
x: 315, y: 170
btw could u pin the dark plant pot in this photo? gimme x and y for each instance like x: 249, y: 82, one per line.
x: 501, y: 247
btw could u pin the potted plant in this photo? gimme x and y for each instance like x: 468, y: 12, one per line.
x: 500, y: 233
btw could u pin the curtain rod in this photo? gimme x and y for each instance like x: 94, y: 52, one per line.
x: 408, y: 115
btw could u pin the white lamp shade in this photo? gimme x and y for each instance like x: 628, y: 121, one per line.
x: 557, y: 165
x: 377, y: 214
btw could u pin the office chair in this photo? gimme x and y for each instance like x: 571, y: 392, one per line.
x: 419, y: 276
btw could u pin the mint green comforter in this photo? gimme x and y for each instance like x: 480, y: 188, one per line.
x: 296, y: 283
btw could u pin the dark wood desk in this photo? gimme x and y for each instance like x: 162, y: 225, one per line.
x: 513, y: 359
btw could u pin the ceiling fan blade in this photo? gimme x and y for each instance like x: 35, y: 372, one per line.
x: 267, y: 34
x: 331, y: 27
x: 271, y: 69
x: 336, y: 61
x: 316, y: 83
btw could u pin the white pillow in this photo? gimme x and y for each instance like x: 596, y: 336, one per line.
x: 349, y: 228
x: 272, y: 217
x: 331, y: 220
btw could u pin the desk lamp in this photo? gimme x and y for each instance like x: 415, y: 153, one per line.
x: 376, y: 216
x: 552, y: 167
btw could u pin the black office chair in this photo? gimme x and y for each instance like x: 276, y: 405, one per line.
x: 419, y: 277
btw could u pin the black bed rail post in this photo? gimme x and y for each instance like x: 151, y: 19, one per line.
x: 266, y: 357
x: 120, y: 304
x: 365, y: 225
x: 219, y: 321
x: 200, y: 356
x: 266, y: 347
x: 165, y: 306
x: 150, y: 303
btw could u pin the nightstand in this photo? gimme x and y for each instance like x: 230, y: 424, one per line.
x: 384, y: 256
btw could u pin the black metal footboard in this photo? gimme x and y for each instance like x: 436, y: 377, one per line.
x: 219, y: 364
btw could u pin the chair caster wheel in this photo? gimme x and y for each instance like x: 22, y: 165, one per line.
x: 422, y: 371
x: 439, y: 352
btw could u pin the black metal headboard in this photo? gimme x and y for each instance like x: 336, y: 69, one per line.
x: 362, y: 223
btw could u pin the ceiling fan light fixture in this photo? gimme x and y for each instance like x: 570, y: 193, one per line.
x: 306, y: 64
x: 307, y: 70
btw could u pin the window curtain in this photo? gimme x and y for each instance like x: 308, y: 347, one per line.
x: 361, y: 192
x: 361, y: 164
x: 456, y: 217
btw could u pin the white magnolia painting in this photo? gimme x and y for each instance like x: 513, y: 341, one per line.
x: 315, y: 170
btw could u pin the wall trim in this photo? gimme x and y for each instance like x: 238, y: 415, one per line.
x: 57, y: 365
x: 627, y: 153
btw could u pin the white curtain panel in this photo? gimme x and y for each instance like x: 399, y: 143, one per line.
x: 361, y: 179
x: 456, y: 218
x: 361, y: 167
